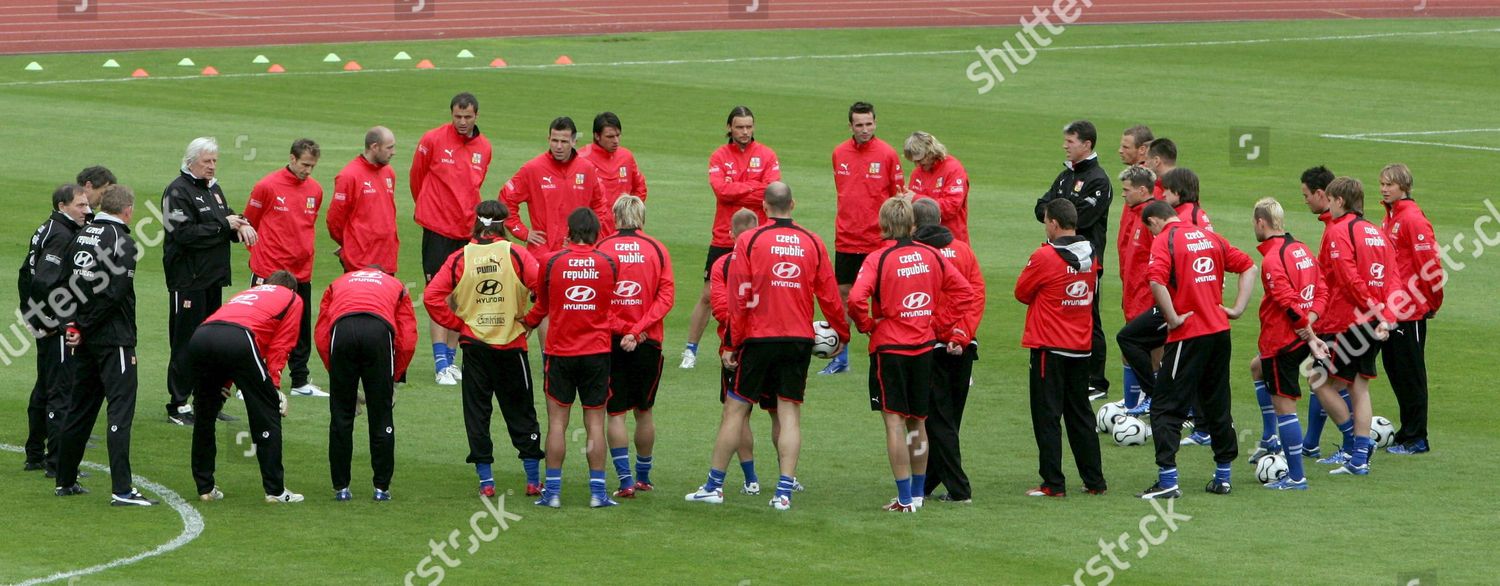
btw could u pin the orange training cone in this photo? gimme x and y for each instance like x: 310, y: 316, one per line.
x: 498, y: 62
x: 564, y: 60
x: 352, y: 66
x: 424, y: 64
x: 210, y: 70
x: 140, y: 73
x: 276, y: 68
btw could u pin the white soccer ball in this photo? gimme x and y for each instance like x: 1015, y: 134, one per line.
x: 1270, y: 468
x: 1381, y: 431
x: 1130, y: 431
x: 825, y: 340
x: 1105, y: 417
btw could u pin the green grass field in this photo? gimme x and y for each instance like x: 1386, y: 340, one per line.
x: 1412, y: 515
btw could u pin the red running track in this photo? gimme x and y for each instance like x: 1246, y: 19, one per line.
x: 49, y: 26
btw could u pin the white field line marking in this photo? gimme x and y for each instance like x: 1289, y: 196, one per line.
x: 192, y: 525
x: 771, y: 58
x: 1383, y: 137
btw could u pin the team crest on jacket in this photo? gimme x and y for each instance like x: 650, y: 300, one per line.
x: 389, y: 183
x: 754, y: 162
x: 624, y: 173
x: 874, y: 168
x: 312, y: 202
x: 477, y: 158
x: 1077, y: 187
x: 578, y: 179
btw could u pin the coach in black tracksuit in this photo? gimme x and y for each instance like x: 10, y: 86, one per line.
x: 1085, y: 184
x: 43, y: 271
x: 102, y: 261
x: 200, y: 226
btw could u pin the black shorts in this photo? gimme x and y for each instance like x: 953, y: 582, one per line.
x: 633, y: 377
x: 1283, y: 372
x: 901, y: 384
x: 714, y: 253
x: 1352, y: 354
x: 585, y: 378
x: 846, y: 266
x: 726, y: 382
x: 436, y: 248
x: 772, y: 369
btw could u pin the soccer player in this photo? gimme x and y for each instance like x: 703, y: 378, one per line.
x: 741, y: 221
x: 738, y: 174
x: 866, y: 172
x: 1187, y: 269
x: 372, y: 311
x: 576, y: 290
x: 1404, y: 355
x: 285, y: 205
x: 1360, y: 268
x: 938, y: 175
x: 447, y: 172
x: 1057, y: 287
x: 102, y: 334
x: 951, y: 372
x: 778, y: 270
x: 1085, y: 183
x: 41, y: 273
x: 246, y: 342
x: 618, y: 173
x: 200, y: 226
x: 1314, y: 182
x: 644, y: 294
x: 1135, y: 144
x: 95, y: 180
x: 1134, y: 247
x: 552, y: 186
x: 482, y: 291
x: 362, y: 217
x: 1294, y: 293
x: 1161, y: 158
x: 896, y: 301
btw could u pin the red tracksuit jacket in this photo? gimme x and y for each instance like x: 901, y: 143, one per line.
x: 362, y: 217
x: 645, y: 290
x: 1192, y: 214
x: 371, y: 293
x: 618, y: 173
x: 963, y: 260
x: 435, y: 296
x: 1191, y: 262
x: 577, y: 289
x: 778, y: 270
x: 284, y: 212
x: 739, y: 178
x: 718, y: 299
x: 1293, y: 288
x: 864, y: 176
x: 899, y: 294
x: 273, y: 315
x: 1057, y: 287
x: 1360, y: 269
x: 447, y: 172
x: 947, y: 184
x: 551, y: 190
x: 1410, y: 233
x: 1134, y: 247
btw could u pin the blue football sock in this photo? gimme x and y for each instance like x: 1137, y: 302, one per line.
x: 642, y: 468
x: 693, y: 347
x: 531, y: 467
x: 484, y: 472
x: 749, y: 467
x: 1361, y: 453
x: 715, y: 480
x: 1267, y: 412
x: 1344, y: 394
x: 1316, y: 417
x: 453, y: 355
x: 1132, y: 389
x: 903, y: 490
x: 785, y: 484
x: 1221, y: 473
x: 1166, y: 477
x: 919, y: 485
x: 596, y: 484
x: 1347, y: 428
x: 621, y: 458
x: 440, y: 356
x: 1291, y: 439
x: 843, y: 357
x: 554, y: 481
